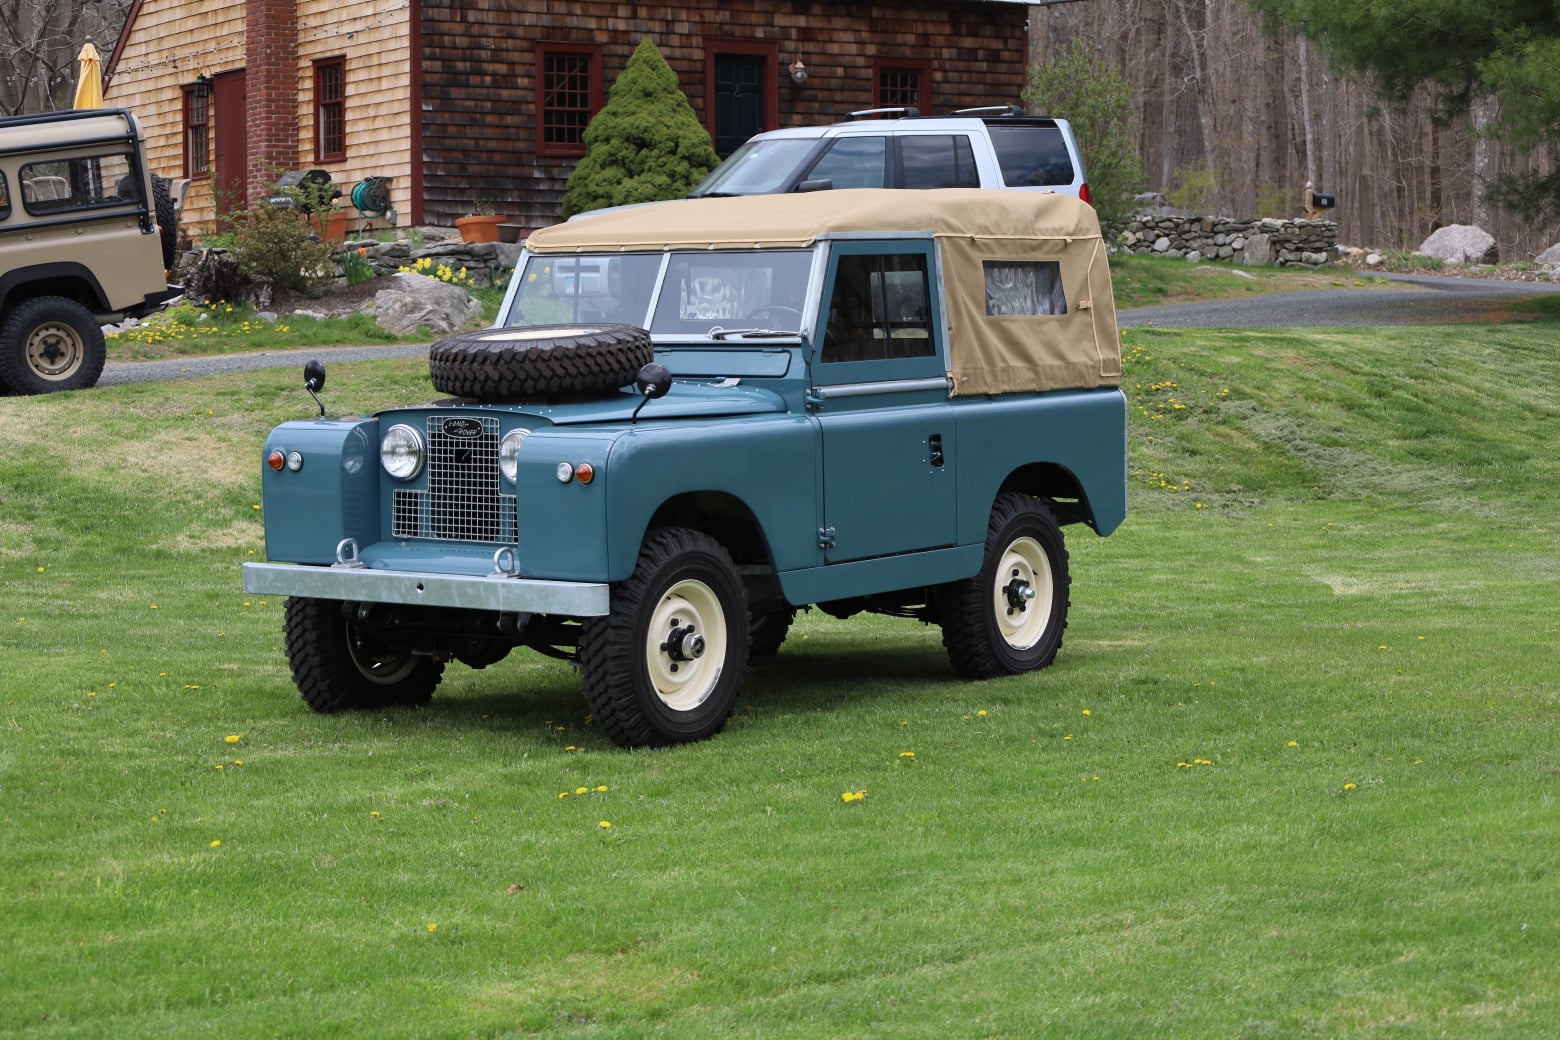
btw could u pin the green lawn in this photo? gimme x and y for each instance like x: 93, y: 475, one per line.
x: 1294, y: 773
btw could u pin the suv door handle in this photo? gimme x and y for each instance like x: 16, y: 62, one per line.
x: 934, y: 443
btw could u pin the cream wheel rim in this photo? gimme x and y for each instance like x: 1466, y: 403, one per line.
x: 1022, y: 593
x: 685, y: 645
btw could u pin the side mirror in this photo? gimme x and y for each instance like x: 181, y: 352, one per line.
x: 654, y: 381
x: 818, y: 184
x: 314, y: 381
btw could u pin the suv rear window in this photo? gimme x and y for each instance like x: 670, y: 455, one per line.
x: 1031, y: 156
x: 938, y: 161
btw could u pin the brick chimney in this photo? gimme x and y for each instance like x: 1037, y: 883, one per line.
x: 271, y: 86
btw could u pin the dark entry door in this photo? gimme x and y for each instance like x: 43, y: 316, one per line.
x: 230, y: 133
x: 740, y: 82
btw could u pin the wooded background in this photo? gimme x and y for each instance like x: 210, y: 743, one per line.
x: 1224, y: 107
x: 1259, y: 115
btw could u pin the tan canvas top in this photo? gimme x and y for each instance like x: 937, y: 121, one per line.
x: 989, y: 354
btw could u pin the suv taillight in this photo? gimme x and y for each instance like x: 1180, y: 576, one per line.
x: 1083, y: 193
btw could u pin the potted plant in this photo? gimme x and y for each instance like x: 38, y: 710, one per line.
x: 481, y: 224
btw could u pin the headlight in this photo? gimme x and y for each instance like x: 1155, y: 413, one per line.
x: 509, y: 453
x: 401, y: 452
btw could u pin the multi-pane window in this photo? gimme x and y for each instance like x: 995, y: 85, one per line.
x: 901, y: 86
x: 197, y: 129
x: 569, y: 78
x: 330, y: 110
x: 880, y: 309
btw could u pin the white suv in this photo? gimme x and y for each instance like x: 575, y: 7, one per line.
x: 995, y: 147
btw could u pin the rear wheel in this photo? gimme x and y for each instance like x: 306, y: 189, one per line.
x: 665, y: 665
x: 339, y: 666
x: 1009, y: 618
x: 50, y: 343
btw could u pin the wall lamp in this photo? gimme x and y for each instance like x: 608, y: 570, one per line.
x: 798, y: 72
x: 202, y: 88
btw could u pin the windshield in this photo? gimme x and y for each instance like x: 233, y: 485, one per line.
x: 759, y: 167
x: 704, y: 293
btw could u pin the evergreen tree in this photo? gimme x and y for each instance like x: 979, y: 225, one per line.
x: 644, y: 145
x: 1097, y: 100
x: 1508, y: 51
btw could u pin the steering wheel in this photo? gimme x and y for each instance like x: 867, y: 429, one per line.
x: 772, y: 311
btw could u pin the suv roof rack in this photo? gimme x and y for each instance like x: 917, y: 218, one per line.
x: 906, y: 112
x: 1009, y: 109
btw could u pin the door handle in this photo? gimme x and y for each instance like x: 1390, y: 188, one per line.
x: 934, y: 444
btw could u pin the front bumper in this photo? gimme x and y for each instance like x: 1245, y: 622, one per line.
x: 460, y: 591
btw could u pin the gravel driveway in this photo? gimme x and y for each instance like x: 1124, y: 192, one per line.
x: 1415, y: 300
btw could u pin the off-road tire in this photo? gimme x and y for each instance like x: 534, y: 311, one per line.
x: 50, y: 343
x: 989, y: 627
x: 767, y: 630
x: 540, y: 362
x: 339, y: 667
x: 641, y: 693
x: 167, y: 221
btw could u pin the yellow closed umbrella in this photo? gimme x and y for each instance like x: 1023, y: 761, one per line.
x: 89, y: 88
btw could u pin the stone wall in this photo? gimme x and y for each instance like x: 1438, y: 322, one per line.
x: 487, y: 263
x: 1312, y: 243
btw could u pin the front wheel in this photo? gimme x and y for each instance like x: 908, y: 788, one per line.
x: 665, y: 665
x: 340, y: 666
x: 1009, y: 618
x: 50, y: 343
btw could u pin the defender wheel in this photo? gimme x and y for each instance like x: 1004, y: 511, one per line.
x: 1009, y: 618
x: 50, y: 343
x: 338, y: 666
x: 665, y: 665
x: 539, y: 362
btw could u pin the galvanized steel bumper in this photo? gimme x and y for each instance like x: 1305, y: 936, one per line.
x: 467, y: 592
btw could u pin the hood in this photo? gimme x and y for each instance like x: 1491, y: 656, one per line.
x: 684, y: 400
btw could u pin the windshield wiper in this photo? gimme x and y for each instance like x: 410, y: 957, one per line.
x: 719, y: 333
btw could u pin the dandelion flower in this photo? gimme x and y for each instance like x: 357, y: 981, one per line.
x: 605, y: 825
x: 1348, y: 787
x: 908, y: 756
x: 582, y: 790
x: 1086, y: 711
x: 216, y: 844
x: 601, y: 787
x: 233, y: 738
x: 1294, y: 743
x: 433, y: 927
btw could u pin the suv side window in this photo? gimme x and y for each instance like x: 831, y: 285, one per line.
x: 1031, y: 156
x: 61, y: 185
x: 5, y: 198
x: 853, y: 162
x: 880, y: 309
x: 938, y: 161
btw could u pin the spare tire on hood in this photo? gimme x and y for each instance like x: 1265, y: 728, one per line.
x: 541, y: 361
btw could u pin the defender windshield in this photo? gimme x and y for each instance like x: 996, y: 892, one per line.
x: 706, y: 293
x: 757, y: 168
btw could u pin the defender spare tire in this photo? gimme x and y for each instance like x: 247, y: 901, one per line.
x: 541, y: 361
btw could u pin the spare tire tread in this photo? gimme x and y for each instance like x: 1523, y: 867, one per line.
x: 578, y: 359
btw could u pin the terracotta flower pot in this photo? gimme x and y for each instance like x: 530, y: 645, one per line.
x: 479, y: 228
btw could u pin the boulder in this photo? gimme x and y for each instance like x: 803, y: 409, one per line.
x: 414, y: 300
x: 1550, y: 257
x: 1461, y: 244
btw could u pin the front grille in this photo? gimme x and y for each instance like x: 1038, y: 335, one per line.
x: 462, y: 502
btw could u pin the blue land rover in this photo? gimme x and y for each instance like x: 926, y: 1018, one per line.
x: 694, y: 418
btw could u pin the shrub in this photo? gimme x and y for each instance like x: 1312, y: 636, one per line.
x: 646, y: 144
x: 1097, y: 100
x: 1191, y: 189
x: 276, y: 246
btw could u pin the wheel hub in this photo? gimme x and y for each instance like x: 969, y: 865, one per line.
x: 684, y: 644
x: 53, y: 352
x: 1018, y: 592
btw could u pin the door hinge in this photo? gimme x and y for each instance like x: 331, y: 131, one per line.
x: 825, y: 537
